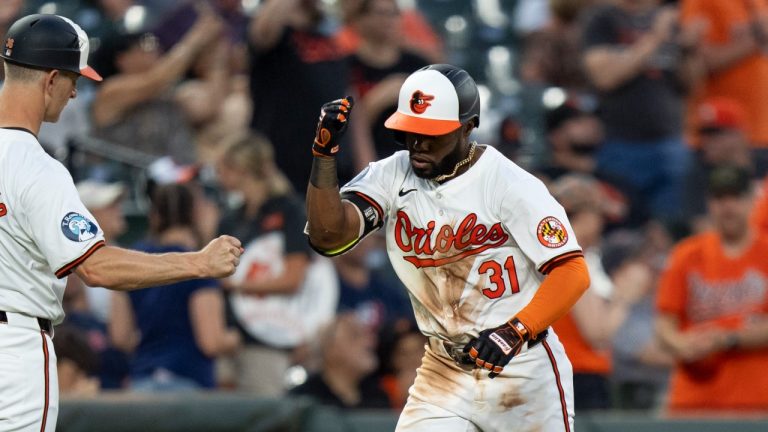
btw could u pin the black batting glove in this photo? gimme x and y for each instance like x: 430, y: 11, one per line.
x: 494, y: 348
x: 334, y: 117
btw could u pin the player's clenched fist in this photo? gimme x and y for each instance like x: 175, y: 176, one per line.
x: 494, y: 348
x: 334, y: 117
x: 221, y: 256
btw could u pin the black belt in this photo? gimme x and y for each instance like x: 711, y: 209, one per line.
x: 45, y: 325
x: 461, y: 358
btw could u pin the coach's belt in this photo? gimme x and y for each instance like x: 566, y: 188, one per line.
x: 463, y: 360
x: 21, y: 320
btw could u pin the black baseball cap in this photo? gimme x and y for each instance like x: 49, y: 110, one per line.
x: 729, y: 181
x: 48, y: 41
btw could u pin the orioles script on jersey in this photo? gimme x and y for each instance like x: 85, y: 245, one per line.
x: 469, y: 239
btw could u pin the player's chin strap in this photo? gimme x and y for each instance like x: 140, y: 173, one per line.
x: 459, y: 164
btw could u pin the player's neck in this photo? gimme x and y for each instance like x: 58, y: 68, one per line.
x: 21, y: 108
x: 473, y: 154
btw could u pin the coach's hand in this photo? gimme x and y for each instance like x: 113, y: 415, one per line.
x: 221, y: 256
x: 494, y: 348
x: 334, y: 117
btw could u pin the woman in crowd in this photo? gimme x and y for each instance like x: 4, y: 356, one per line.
x: 174, y: 332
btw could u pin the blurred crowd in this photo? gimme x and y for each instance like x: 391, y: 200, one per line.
x: 646, y: 119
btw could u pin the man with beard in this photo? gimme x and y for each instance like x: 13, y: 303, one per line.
x: 487, y: 255
x: 712, y: 304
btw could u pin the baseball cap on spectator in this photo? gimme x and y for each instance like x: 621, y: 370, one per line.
x: 555, y: 117
x: 167, y: 171
x: 720, y: 114
x: 581, y: 192
x: 729, y: 181
x: 97, y: 195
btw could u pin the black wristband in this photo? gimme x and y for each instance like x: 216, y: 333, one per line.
x: 323, y: 174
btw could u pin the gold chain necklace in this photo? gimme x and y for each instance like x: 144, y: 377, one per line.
x: 458, y: 165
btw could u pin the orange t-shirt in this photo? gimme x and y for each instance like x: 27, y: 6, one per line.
x: 746, y: 81
x: 418, y: 36
x: 584, y: 358
x: 702, y: 288
x: 760, y: 212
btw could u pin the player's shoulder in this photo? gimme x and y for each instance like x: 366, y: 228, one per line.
x: 398, y: 161
x: 26, y: 155
x: 506, y: 174
x: 386, y: 170
x: 17, y: 141
x: 20, y: 151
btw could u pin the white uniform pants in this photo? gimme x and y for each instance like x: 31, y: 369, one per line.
x: 29, y: 387
x: 533, y: 393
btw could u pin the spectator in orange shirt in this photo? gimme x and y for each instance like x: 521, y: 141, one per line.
x: 418, y: 34
x: 713, y: 306
x: 723, y: 141
x: 735, y: 51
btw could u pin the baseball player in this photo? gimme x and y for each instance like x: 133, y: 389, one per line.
x: 488, y: 257
x: 46, y: 232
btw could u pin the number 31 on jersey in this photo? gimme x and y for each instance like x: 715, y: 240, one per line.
x: 499, y: 275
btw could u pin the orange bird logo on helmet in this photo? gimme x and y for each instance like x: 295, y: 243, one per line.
x: 420, y: 101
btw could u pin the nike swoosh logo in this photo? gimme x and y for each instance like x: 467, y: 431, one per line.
x: 404, y: 193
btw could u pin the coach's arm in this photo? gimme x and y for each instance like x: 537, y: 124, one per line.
x: 122, y: 269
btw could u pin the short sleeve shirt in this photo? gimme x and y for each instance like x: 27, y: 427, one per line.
x: 46, y: 230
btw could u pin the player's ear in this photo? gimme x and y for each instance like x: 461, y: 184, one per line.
x: 50, y: 81
x: 467, y: 127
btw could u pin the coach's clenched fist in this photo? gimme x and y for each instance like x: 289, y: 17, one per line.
x: 221, y: 257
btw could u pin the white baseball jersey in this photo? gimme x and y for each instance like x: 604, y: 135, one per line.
x: 471, y: 251
x: 45, y: 230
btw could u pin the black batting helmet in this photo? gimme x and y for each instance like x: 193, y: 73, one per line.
x: 48, y: 41
x: 436, y: 100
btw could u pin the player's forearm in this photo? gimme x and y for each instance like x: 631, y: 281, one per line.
x: 557, y: 294
x: 325, y: 211
x: 125, y: 270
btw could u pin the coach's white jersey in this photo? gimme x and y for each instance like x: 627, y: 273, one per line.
x: 472, y: 251
x: 45, y: 230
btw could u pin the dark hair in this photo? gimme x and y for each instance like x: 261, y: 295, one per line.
x: 366, y: 6
x: 113, y: 43
x: 729, y: 180
x: 390, y: 336
x: 172, y: 206
x: 71, y: 343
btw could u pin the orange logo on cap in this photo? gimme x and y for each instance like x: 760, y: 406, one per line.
x: 420, y: 101
x: 9, y: 45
